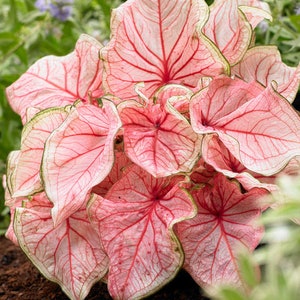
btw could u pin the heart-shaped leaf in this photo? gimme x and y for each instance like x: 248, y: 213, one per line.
x: 224, y: 225
x: 159, y: 139
x: 58, y: 81
x: 69, y: 254
x: 228, y: 29
x: 135, y: 222
x: 259, y: 127
x: 158, y: 42
x: 25, y: 177
x: 263, y: 64
x: 78, y: 155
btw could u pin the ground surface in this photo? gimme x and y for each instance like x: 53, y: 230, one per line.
x: 19, y: 279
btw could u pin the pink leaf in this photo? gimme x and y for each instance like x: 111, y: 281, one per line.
x: 135, y: 223
x: 263, y: 64
x: 224, y: 225
x: 228, y: 29
x: 255, y: 11
x: 69, y: 254
x: 159, y: 139
x: 58, y: 81
x: 158, y: 42
x: 217, y: 155
x: 25, y: 177
x: 79, y: 155
x: 259, y: 128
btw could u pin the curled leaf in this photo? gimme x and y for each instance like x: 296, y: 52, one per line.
x: 255, y: 11
x: 218, y: 156
x: 263, y: 64
x: 228, y: 29
x: 258, y: 127
x: 25, y: 177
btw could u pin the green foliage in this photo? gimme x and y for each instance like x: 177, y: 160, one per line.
x: 26, y: 34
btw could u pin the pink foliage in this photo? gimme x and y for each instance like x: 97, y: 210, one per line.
x: 227, y: 28
x: 135, y: 221
x: 58, y: 81
x: 145, y: 49
x: 223, y: 227
x: 69, y: 254
x: 263, y: 64
x: 159, y: 139
x: 262, y: 145
x: 151, y: 157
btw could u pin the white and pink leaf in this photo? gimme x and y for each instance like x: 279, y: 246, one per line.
x: 233, y: 110
x: 25, y: 177
x: 158, y: 42
x: 78, y: 155
x: 159, y: 139
x: 135, y: 222
x: 59, y: 81
x: 223, y: 226
x: 264, y: 64
x: 69, y: 254
x: 228, y: 29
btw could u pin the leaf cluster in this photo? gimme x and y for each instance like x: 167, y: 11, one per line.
x: 26, y: 34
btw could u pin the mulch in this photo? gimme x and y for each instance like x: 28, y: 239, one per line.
x: 19, y: 279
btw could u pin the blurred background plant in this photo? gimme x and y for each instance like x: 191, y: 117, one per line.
x: 31, y: 29
x: 283, y: 31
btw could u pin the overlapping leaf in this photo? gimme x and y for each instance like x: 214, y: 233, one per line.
x: 228, y: 29
x: 158, y: 42
x: 233, y: 109
x: 79, y: 155
x: 10, y: 201
x: 159, y: 139
x: 255, y: 11
x: 69, y: 254
x: 223, y: 226
x: 58, y: 81
x: 135, y: 222
x: 25, y: 177
x: 120, y: 164
x: 218, y: 156
x: 263, y: 64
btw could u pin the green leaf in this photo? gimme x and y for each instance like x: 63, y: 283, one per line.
x: 295, y: 20
x: 230, y: 293
x: 249, y: 270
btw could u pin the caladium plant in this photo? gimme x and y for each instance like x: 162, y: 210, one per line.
x: 153, y: 153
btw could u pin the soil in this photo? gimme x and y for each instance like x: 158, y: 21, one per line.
x: 19, y: 279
